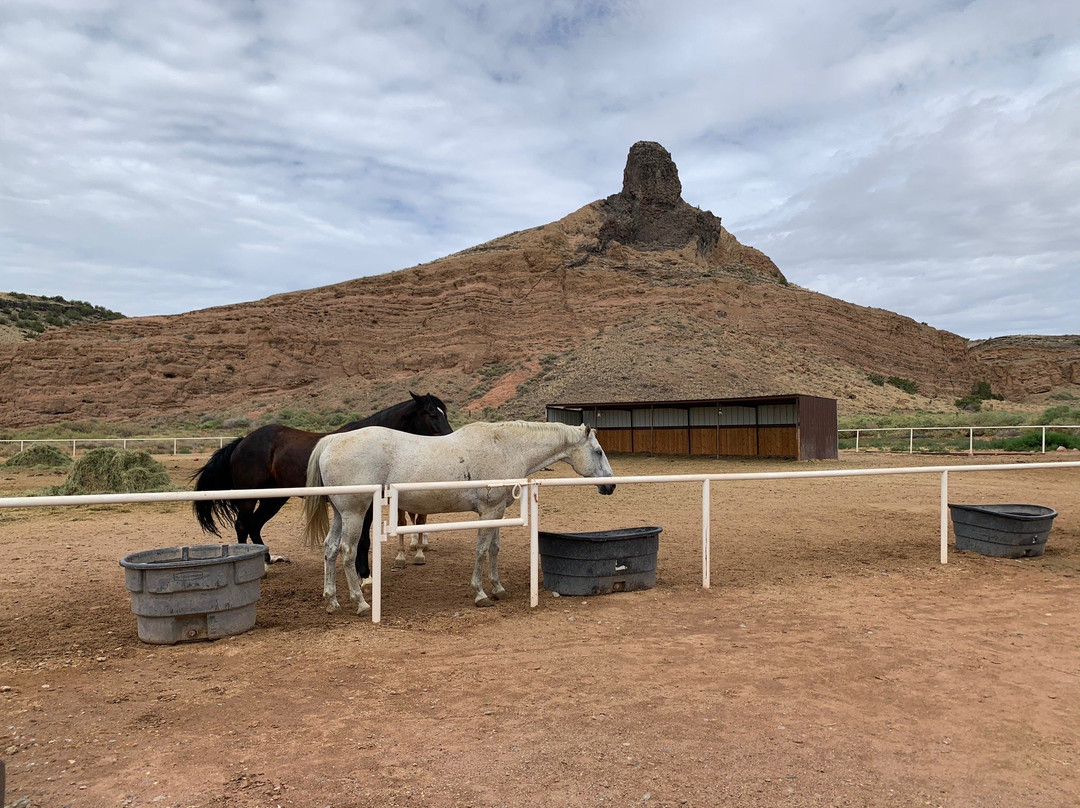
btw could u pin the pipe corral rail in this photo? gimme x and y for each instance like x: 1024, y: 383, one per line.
x: 74, y: 442
x: 971, y: 430
x: 179, y: 441
x: 528, y: 490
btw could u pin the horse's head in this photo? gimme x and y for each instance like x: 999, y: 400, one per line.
x: 588, y: 459
x: 430, y: 417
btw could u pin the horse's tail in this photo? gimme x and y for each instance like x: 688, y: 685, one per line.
x: 216, y: 475
x: 316, y: 522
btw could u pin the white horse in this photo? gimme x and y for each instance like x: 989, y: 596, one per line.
x: 479, y: 451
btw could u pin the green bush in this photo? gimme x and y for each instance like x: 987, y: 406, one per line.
x: 980, y: 392
x: 1032, y: 442
x: 1063, y: 414
x: 969, y: 403
x: 907, y: 385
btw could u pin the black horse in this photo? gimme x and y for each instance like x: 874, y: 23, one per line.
x: 276, y: 456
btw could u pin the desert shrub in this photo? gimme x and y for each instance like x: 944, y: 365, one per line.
x: 983, y: 391
x: 1032, y: 442
x: 907, y: 385
x: 1063, y: 414
x: 114, y: 471
x: 969, y: 403
x: 876, y: 378
x: 980, y: 392
x: 40, y: 456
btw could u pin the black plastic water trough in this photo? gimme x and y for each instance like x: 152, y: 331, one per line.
x: 599, y: 562
x: 1002, y: 531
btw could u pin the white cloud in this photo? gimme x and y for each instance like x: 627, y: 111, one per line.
x: 166, y: 156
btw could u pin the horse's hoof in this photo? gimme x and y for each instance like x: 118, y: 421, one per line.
x: 399, y: 563
x: 365, y: 582
x: 419, y: 562
x: 364, y: 608
x: 332, y: 607
x: 498, y: 595
x: 485, y: 601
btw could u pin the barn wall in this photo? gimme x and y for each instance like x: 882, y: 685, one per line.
x: 817, y: 428
x: 802, y: 427
x: 671, y: 441
x: 615, y: 440
x: 778, y: 441
x: 739, y: 441
x: 703, y: 440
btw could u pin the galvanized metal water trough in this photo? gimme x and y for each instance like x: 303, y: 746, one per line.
x: 202, y: 592
x: 599, y: 562
x: 1002, y: 531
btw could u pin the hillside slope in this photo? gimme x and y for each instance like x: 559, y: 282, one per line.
x: 637, y: 296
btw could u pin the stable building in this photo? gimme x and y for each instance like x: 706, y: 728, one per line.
x: 794, y: 426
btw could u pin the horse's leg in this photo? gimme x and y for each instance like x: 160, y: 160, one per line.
x: 483, y: 543
x: 263, y: 513
x: 399, y: 561
x: 331, y: 545
x: 419, y: 541
x: 244, y: 509
x: 351, y: 531
x: 497, y: 590
x: 245, y: 519
x: 363, y: 570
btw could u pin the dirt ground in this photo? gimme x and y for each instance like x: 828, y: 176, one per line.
x: 834, y: 661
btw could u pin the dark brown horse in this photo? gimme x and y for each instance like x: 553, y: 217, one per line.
x: 276, y: 456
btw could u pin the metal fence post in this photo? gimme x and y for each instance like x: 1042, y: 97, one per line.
x: 534, y: 544
x: 944, y: 517
x: 379, y: 530
x: 706, y: 536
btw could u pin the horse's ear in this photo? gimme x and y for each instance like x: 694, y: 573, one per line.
x: 416, y: 398
x: 588, y: 430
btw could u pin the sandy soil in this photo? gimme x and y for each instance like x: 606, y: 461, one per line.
x: 834, y: 661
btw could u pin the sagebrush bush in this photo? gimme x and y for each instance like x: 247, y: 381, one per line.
x: 907, y: 385
x: 1032, y: 442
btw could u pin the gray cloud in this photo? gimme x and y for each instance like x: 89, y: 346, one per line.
x: 166, y: 156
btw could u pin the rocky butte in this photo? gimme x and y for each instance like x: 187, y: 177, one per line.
x: 636, y: 296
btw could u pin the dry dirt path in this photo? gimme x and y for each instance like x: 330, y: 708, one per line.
x: 834, y: 662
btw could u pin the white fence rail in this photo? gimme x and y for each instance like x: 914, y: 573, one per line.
x: 177, y: 442
x: 971, y: 430
x: 386, y: 524
x: 74, y: 443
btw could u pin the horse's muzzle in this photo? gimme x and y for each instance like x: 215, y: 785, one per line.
x: 606, y: 489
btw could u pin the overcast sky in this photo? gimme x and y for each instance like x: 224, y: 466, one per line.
x: 161, y: 156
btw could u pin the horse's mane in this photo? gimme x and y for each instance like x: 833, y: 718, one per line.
x: 376, y: 418
x: 570, y: 432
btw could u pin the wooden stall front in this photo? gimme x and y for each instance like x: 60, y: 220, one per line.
x: 796, y: 426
